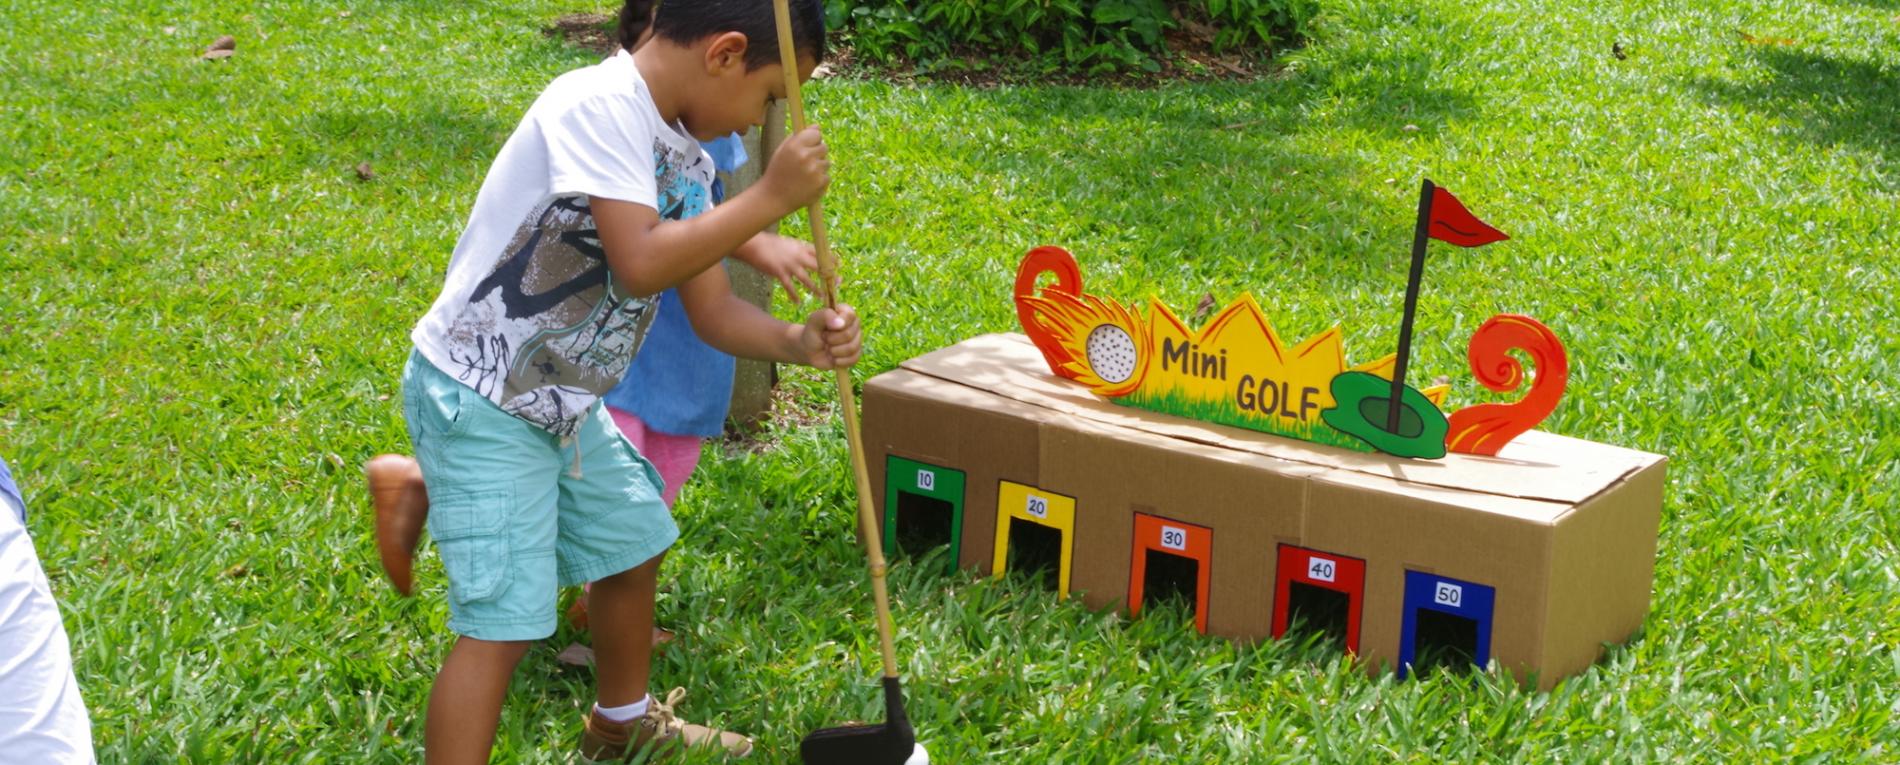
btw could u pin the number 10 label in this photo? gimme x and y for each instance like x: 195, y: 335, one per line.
x: 1320, y: 569
x: 1448, y: 594
x: 1173, y: 538
x: 926, y: 480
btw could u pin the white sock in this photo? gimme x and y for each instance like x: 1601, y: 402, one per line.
x: 622, y: 714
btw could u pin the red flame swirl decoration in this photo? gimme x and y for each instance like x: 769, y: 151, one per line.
x: 1058, y: 261
x: 1486, y: 428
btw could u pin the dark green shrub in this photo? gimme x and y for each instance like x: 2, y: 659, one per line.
x: 1073, y: 36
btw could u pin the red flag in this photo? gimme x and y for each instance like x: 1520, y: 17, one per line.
x: 1451, y: 222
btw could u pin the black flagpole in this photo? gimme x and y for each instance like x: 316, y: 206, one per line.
x: 1411, y: 304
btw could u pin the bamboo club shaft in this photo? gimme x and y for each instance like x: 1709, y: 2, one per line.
x: 828, y: 276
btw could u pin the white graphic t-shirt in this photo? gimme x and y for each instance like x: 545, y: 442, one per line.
x: 529, y: 316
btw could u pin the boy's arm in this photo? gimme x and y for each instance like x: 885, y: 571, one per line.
x: 648, y: 256
x: 829, y: 339
x: 787, y: 260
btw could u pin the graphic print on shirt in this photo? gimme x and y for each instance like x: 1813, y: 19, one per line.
x: 548, y: 332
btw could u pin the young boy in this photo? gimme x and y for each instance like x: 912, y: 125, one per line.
x: 674, y: 396
x: 593, y: 206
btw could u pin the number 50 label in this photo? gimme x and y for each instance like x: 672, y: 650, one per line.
x: 1448, y: 594
x: 1173, y: 538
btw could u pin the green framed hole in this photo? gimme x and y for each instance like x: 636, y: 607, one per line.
x: 923, y: 508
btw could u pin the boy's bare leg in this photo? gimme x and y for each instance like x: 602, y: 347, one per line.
x: 620, y: 614
x: 465, y: 704
x: 401, y: 499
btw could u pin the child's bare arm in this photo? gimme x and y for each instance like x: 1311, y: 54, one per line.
x: 827, y: 340
x: 787, y: 260
x: 648, y: 256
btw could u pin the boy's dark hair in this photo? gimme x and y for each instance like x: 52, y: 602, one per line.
x: 688, y: 21
x: 635, y: 16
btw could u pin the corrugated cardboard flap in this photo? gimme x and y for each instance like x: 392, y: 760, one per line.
x: 1537, y: 465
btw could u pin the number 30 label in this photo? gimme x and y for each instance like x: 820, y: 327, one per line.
x: 1320, y: 569
x: 1448, y: 594
x: 1037, y: 506
x: 926, y: 480
x: 1173, y: 538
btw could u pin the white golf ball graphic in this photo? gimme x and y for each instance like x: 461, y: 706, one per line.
x: 1112, y: 353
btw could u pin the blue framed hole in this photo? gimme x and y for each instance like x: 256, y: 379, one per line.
x: 1447, y: 624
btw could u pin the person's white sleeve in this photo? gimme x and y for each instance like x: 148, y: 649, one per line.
x: 42, y: 717
x: 603, y: 147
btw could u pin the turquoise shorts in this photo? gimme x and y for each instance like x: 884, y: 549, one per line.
x: 512, y: 517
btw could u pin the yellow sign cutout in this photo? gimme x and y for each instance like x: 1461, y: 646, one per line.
x: 1235, y: 371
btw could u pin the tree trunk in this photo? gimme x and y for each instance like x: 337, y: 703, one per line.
x: 753, y: 380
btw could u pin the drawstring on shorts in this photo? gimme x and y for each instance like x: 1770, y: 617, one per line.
x: 573, y: 440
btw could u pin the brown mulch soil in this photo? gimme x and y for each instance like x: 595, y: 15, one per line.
x: 588, y: 31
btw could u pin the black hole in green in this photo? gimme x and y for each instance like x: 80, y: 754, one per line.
x: 1035, y: 551
x: 1444, y: 642
x: 923, y: 523
x: 1376, y: 410
x: 1317, y: 614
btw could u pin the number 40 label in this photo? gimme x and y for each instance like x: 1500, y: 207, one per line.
x: 1448, y: 594
x: 1321, y: 569
x: 1173, y: 538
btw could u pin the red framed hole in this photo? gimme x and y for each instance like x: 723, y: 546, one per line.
x: 1325, y: 571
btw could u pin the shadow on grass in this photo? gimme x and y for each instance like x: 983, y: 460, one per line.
x: 431, y: 137
x: 1832, y: 100
x: 1259, y: 156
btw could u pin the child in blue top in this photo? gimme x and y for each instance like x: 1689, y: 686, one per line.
x: 598, y: 202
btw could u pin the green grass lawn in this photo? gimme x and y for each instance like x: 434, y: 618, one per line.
x: 205, y: 313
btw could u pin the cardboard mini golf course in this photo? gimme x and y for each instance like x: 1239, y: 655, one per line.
x: 1128, y: 456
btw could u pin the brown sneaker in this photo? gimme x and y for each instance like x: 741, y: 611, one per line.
x: 603, y: 740
x: 401, y: 500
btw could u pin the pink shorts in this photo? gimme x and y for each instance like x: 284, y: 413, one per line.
x: 674, y: 456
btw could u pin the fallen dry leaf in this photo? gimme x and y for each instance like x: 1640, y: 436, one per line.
x: 237, y: 572
x: 1768, y: 41
x: 1205, y: 307
x: 575, y: 655
x: 223, y: 47
x: 364, y: 172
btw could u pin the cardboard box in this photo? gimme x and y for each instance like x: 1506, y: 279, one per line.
x: 1535, y: 558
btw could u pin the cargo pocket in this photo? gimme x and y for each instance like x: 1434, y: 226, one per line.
x: 436, y: 406
x: 471, y: 536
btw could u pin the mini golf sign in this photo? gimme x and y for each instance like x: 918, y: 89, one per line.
x: 1237, y: 370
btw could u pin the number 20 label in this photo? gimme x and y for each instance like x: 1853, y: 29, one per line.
x: 926, y: 480
x: 1173, y: 538
x: 1037, y: 506
x: 1448, y: 594
x: 1320, y: 569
